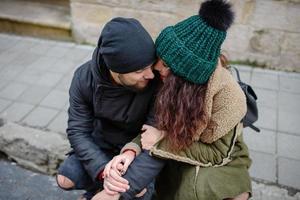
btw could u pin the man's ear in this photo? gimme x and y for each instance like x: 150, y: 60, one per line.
x: 114, y: 77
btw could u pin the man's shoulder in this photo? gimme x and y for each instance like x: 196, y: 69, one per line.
x: 84, y: 75
x: 83, y: 79
x: 83, y: 70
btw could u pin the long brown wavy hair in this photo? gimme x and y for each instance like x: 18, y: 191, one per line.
x: 179, y: 110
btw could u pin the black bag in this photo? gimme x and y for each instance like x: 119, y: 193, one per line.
x: 252, y: 111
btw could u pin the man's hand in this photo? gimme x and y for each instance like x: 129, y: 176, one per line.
x: 150, y: 136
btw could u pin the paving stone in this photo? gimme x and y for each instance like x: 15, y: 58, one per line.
x: 2, y: 66
x: 244, y: 68
x: 24, y: 46
x: 289, y: 84
x: 3, y: 83
x: 57, y: 51
x: 40, y: 117
x: 288, y: 172
x: 289, y: 146
x: 77, y: 54
x: 65, y: 44
x: 266, y: 71
x: 55, y: 99
x: 7, y: 56
x: 13, y: 91
x: 264, y: 79
x: 298, y: 195
x: 9, y: 73
x: 43, y: 63
x: 289, y: 122
x: 267, y: 118
x: 2, y: 51
x: 267, y: 98
x: 30, y: 76
x: 49, y: 79
x: 264, y: 141
x: 47, y: 42
x: 41, y: 48
x: 4, y: 104
x: 289, y: 74
x: 34, y: 94
x: 288, y: 102
x: 63, y: 65
x: 16, y: 111
x: 263, y: 166
x: 25, y: 59
x: 59, y: 124
x: 65, y: 83
x: 4, y: 46
x: 256, y: 190
x: 273, y: 193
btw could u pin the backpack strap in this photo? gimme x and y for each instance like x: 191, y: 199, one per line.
x: 237, y: 73
x: 254, y: 95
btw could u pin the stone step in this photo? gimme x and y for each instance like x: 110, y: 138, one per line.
x: 46, y: 19
x: 32, y: 148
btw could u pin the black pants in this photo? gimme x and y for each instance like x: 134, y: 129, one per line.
x: 140, y: 174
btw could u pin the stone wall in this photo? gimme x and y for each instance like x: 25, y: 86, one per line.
x: 265, y: 33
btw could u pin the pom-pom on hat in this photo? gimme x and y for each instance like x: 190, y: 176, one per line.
x: 191, y: 47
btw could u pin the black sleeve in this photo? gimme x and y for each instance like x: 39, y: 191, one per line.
x: 80, y: 128
x: 150, y: 120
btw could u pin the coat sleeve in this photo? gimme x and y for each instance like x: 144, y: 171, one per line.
x: 80, y: 128
x: 201, y: 154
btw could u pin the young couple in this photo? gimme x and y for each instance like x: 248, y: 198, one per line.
x: 177, y: 127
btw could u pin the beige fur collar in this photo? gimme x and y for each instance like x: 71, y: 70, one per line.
x: 225, y: 106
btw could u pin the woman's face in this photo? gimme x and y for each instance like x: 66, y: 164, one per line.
x: 162, y: 68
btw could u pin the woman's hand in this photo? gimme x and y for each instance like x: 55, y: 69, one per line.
x: 113, y: 171
x: 120, y: 163
x: 150, y: 136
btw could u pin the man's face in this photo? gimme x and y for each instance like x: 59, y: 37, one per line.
x: 137, y: 80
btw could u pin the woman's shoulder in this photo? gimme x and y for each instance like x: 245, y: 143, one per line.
x: 220, y: 80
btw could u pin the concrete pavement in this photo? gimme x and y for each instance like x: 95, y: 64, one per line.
x: 35, y: 76
x: 18, y: 183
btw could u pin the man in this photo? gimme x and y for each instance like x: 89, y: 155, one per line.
x: 110, y: 97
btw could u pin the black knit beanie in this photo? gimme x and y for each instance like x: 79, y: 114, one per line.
x: 126, y: 46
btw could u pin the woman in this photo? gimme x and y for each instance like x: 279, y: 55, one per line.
x: 198, y: 112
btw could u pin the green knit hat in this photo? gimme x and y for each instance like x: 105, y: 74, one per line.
x: 191, y: 48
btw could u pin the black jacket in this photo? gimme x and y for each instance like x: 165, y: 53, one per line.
x: 102, y: 116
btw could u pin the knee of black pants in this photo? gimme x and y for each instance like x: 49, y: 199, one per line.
x: 74, y: 170
x: 141, y: 173
x: 58, y: 184
x: 147, y: 196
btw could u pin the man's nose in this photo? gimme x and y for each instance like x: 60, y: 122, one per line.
x: 149, y: 73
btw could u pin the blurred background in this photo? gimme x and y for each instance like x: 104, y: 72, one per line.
x: 42, y: 42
